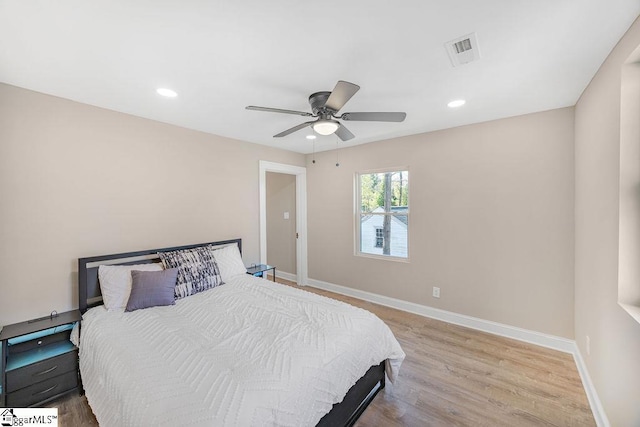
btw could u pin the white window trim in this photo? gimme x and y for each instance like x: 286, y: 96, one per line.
x: 356, y: 215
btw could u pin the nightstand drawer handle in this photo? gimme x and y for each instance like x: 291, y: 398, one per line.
x: 46, y: 372
x: 45, y: 391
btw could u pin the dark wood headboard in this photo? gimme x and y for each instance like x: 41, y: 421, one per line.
x: 88, y: 284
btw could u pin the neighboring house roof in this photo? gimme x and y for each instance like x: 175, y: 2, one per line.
x: 404, y: 219
x: 401, y: 209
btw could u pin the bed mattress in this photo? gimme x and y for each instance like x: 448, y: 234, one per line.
x: 248, y: 353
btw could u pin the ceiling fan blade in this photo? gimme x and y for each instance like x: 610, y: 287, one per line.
x: 341, y: 94
x: 344, y: 133
x: 278, y: 110
x: 294, y: 129
x: 374, y: 117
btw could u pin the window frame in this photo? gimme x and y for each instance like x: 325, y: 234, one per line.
x: 358, y: 214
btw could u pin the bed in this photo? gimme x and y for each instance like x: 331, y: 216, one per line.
x: 248, y: 352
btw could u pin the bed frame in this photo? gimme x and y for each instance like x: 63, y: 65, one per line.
x: 344, y: 413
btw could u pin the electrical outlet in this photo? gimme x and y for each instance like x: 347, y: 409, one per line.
x: 588, y: 346
x: 436, y: 292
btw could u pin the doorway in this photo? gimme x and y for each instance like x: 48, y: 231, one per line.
x: 299, y: 216
x: 281, y: 223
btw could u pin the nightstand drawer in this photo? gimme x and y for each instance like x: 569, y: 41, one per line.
x: 37, y: 372
x: 43, y: 390
x: 39, y: 342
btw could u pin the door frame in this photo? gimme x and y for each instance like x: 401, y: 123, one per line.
x: 301, y: 214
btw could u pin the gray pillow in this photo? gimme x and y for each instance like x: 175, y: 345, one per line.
x: 152, y: 288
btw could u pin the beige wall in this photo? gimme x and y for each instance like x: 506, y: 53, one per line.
x: 491, y: 220
x: 614, y: 362
x: 77, y: 181
x: 281, y: 232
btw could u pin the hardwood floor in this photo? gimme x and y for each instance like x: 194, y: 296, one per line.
x: 73, y: 411
x: 452, y: 376
x: 456, y: 376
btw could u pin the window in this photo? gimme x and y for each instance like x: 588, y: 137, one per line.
x: 383, y: 213
x: 629, y: 212
x: 379, y: 237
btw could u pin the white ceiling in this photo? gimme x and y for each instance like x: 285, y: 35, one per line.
x: 221, y: 56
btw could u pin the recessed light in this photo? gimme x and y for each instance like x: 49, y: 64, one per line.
x: 166, y: 92
x: 311, y: 137
x: 456, y: 103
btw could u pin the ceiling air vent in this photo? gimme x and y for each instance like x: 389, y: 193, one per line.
x: 463, y: 49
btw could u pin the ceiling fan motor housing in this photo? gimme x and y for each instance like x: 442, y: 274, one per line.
x: 318, y: 101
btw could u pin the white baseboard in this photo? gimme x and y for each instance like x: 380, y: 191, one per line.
x: 594, y: 401
x: 286, y: 276
x: 545, y: 340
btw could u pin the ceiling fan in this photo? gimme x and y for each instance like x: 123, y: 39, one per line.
x: 325, y: 106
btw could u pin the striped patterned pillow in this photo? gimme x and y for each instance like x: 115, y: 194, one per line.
x: 197, y: 270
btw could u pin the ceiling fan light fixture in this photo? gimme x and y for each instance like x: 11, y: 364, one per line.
x: 325, y: 127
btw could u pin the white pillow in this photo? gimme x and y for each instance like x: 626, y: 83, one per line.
x: 115, y: 282
x: 229, y: 262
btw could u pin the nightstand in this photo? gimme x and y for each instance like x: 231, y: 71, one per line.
x: 260, y: 269
x: 39, y: 362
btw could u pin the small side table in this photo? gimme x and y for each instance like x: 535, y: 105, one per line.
x: 39, y: 362
x: 260, y: 269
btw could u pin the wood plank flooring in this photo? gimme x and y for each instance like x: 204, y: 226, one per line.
x: 452, y: 376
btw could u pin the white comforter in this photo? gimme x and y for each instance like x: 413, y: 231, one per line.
x: 247, y: 353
